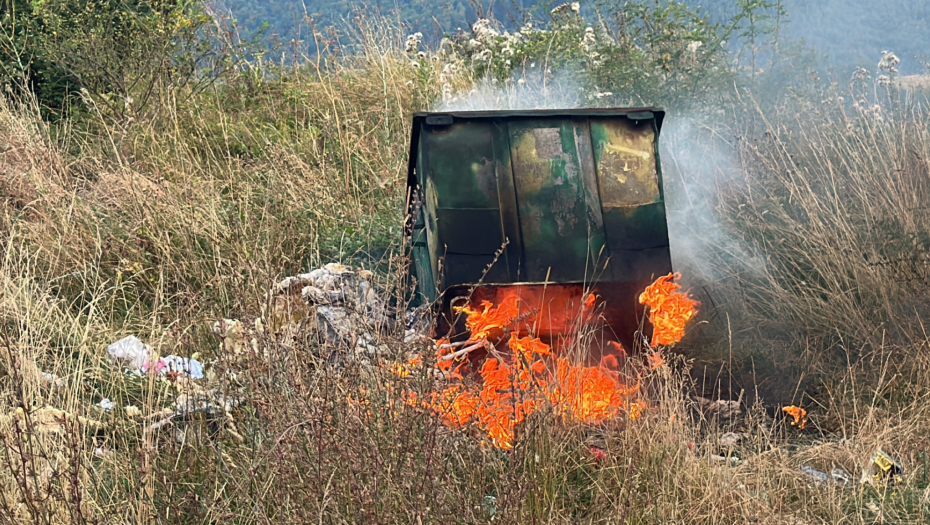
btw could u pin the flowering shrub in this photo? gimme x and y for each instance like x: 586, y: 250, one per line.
x: 648, y: 54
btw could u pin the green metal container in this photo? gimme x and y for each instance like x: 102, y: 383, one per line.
x: 544, y: 196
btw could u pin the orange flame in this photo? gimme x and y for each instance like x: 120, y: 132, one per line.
x: 481, y: 324
x: 587, y: 394
x: 798, y: 415
x: 669, y: 310
x: 513, y: 387
x: 404, y: 370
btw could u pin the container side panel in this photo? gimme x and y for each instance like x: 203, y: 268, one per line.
x: 461, y: 164
x: 597, y: 245
x: 634, y: 214
x: 510, y: 214
x: 460, y: 172
x: 551, y: 200
x: 624, y: 153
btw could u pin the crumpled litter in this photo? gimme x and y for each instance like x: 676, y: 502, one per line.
x: 837, y: 476
x: 730, y: 460
x: 106, y: 404
x: 137, y: 356
x: 131, y: 352
x: 346, y: 308
x: 51, y: 379
x: 730, y: 439
x: 882, y: 468
x: 179, y: 366
x: 417, y: 325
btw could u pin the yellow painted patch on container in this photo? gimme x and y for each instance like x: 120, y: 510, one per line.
x: 627, y: 166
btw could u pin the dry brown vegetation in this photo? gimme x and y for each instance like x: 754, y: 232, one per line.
x: 188, y: 214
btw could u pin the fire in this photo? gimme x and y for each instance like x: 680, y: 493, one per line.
x: 669, y: 310
x: 481, y: 324
x: 587, y: 394
x: 404, y: 370
x: 525, y: 377
x: 798, y: 415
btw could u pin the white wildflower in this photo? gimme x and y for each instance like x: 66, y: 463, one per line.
x: 861, y: 75
x: 574, y: 7
x: 589, y: 40
x: 694, y: 45
x: 414, y: 64
x: 888, y: 62
x: 413, y: 42
x: 483, y: 31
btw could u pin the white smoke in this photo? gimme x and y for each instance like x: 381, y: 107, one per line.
x: 695, y: 167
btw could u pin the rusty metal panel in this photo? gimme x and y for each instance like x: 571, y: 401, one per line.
x: 559, y: 234
x: 624, y: 152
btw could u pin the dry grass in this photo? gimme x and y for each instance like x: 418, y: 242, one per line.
x: 160, y: 227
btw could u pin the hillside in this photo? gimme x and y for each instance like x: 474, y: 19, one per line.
x: 845, y: 33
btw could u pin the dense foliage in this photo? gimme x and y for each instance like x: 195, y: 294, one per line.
x: 846, y: 33
x: 117, y: 55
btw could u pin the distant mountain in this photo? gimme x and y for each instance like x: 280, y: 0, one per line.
x: 847, y: 33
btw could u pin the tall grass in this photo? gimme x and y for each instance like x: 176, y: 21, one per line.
x: 161, y: 226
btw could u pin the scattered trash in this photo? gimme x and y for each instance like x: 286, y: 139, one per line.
x: 720, y: 408
x: 882, y: 468
x: 417, y: 325
x: 798, y: 415
x: 105, y: 404
x: 598, y: 453
x: 131, y: 353
x: 51, y: 379
x: 731, y: 460
x: 137, y: 357
x: 840, y: 476
x: 817, y: 475
x: 489, y: 505
x: 179, y: 367
x: 347, y: 310
x: 730, y: 439
x: 102, y: 452
x: 837, y: 476
x: 876, y: 510
x: 132, y: 411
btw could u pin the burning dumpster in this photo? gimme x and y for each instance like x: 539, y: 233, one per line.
x: 561, y: 209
